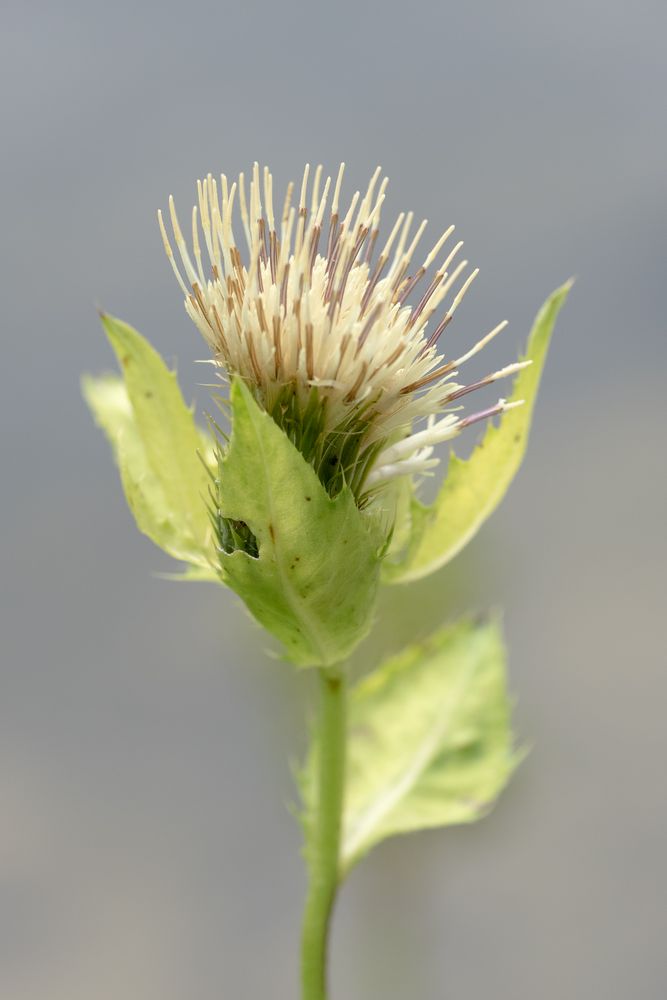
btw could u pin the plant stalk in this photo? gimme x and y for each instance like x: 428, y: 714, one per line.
x: 325, y: 834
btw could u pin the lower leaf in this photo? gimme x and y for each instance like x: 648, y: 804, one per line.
x: 429, y: 740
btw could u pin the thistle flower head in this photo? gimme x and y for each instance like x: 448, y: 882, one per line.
x: 337, y: 331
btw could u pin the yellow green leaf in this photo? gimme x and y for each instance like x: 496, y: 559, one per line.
x: 156, y: 444
x: 474, y: 487
x: 429, y: 740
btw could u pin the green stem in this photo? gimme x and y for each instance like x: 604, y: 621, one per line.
x: 325, y: 834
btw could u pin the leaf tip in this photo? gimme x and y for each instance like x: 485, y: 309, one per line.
x: 562, y: 292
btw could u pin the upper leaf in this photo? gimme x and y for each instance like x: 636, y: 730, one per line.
x: 429, y: 739
x: 314, y: 582
x: 473, y: 488
x: 156, y: 444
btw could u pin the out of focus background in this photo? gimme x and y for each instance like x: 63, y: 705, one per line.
x: 147, y: 847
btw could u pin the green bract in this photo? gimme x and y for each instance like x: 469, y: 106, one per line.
x: 314, y: 582
x: 429, y: 739
x: 473, y: 488
x: 156, y: 443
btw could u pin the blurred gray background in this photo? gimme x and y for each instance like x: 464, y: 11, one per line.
x: 147, y: 850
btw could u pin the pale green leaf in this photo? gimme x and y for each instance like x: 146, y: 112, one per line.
x: 429, y: 739
x: 314, y: 583
x: 107, y: 398
x: 473, y: 488
x: 156, y: 443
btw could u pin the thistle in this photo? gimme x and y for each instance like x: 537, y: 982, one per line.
x: 336, y: 384
x: 319, y: 324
